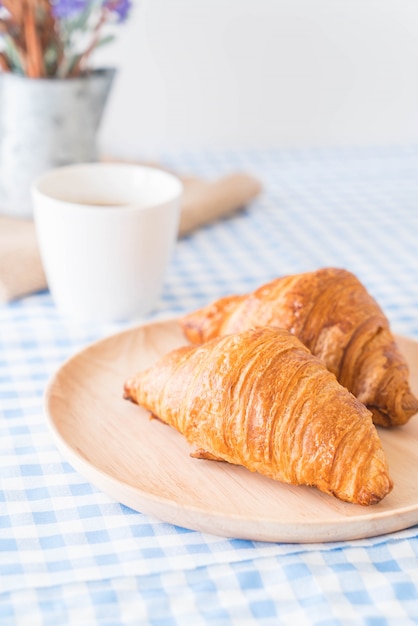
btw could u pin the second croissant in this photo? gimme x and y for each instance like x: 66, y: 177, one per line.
x: 334, y: 315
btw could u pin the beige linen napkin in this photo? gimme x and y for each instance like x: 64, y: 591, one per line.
x: 21, y: 270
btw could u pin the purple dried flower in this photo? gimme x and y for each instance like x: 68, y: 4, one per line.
x: 120, y: 8
x: 65, y: 9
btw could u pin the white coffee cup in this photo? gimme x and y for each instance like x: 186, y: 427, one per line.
x: 106, y: 234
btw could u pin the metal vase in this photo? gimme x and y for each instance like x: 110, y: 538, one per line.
x: 46, y: 123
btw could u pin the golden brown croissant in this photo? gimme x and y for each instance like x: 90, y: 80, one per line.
x: 260, y: 399
x: 333, y: 314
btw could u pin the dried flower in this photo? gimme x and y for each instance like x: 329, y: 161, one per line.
x: 55, y: 38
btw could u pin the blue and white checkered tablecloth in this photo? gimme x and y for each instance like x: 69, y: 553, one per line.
x: 71, y: 555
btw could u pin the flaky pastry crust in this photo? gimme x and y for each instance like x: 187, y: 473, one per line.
x: 335, y: 316
x: 260, y: 399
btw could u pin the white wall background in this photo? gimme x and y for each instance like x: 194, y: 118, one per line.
x: 263, y: 73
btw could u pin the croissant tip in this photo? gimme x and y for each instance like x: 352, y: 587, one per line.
x: 375, y: 495
x: 378, y: 485
x: 127, y: 390
x: 397, y: 415
x: 409, y: 403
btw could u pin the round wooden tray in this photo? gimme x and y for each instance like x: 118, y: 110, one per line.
x: 145, y: 464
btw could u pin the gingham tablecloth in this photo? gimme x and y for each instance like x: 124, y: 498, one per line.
x: 71, y: 555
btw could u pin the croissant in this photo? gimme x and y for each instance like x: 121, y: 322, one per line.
x: 333, y: 314
x: 260, y: 399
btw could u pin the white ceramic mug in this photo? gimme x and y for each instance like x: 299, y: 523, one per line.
x: 106, y: 233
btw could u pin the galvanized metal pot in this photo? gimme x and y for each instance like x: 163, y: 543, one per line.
x: 46, y: 123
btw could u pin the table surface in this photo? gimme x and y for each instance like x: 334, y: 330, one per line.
x: 69, y: 554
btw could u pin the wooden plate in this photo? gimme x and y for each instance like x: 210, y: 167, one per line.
x: 145, y: 464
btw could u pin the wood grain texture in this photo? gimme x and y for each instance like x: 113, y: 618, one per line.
x: 145, y: 464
